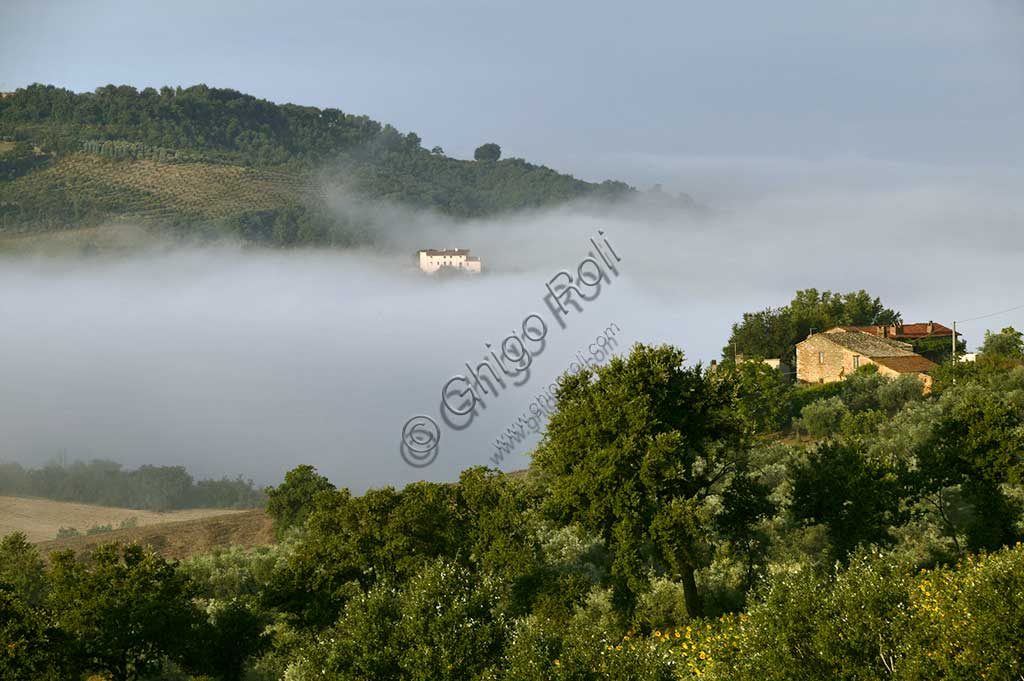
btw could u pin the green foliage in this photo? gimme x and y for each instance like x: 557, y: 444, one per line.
x: 823, y: 417
x: 856, y: 498
x: 804, y: 394
x: 978, y: 444
x: 157, y: 488
x: 137, y: 150
x: 21, y: 569
x: 291, y: 502
x: 877, y: 620
x: 30, y: 650
x: 774, y: 332
x: 232, y: 636
x: 647, y: 504
x: 441, y: 625
x: 127, y: 610
x: 760, y: 394
x: 541, y: 651
x: 632, y: 451
x: 965, y: 622
x: 236, y: 572
x: 859, y: 390
x: 279, y: 150
x: 353, y: 542
x: 20, y: 159
x: 896, y: 394
x: 487, y: 152
x: 938, y: 350
x: 1007, y: 344
x: 67, y: 532
x: 812, y: 626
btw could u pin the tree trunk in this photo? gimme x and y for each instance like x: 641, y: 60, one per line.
x: 694, y: 603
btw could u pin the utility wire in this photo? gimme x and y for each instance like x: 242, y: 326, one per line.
x: 991, y: 314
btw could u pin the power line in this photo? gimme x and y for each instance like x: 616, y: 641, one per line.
x: 991, y: 314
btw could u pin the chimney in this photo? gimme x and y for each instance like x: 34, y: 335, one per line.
x: 931, y: 327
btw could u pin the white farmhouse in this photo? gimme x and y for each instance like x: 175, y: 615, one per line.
x: 455, y: 258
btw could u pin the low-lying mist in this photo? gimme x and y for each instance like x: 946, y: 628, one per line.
x: 231, y: 360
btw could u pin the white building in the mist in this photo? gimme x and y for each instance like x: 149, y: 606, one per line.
x: 455, y: 258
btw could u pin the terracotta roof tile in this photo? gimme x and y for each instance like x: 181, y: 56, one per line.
x: 912, y: 331
x: 906, y: 365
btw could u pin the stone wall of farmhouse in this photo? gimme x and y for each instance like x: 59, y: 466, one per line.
x: 821, y: 361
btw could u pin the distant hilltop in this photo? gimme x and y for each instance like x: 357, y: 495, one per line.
x: 205, y: 159
x: 431, y: 260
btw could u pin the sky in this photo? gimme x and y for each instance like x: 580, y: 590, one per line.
x: 594, y: 88
x: 839, y: 145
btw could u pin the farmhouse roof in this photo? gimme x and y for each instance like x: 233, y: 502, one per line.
x: 867, y: 344
x: 906, y: 365
x: 912, y: 331
x: 445, y: 251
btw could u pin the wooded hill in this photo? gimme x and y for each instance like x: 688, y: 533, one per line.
x: 210, y: 159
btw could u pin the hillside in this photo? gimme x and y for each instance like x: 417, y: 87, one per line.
x: 205, y: 160
x: 181, y: 538
x: 40, y: 519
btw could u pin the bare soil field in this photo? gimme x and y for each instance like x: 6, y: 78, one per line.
x: 182, y: 538
x: 40, y: 519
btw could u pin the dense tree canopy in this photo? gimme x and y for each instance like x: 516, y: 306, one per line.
x: 94, y: 145
x: 1007, y: 344
x: 291, y: 502
x: 677, y: 523
x: 633, y: 451
x: 487, y: 152
x: 157, y: 488
x: 128, y: 611
x: 774, y: 332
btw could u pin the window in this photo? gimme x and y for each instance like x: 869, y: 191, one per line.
x: 856, y: 361
x: 821, y: 358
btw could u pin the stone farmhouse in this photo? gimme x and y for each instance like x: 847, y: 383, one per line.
x: 837, y: 353
x: 431, y: 260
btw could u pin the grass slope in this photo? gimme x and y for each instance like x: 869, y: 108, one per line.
x: 183, y: 538
x: 150, y: 190
x: 40, y: 519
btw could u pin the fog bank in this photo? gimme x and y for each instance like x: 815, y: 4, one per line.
x: 230, y: 360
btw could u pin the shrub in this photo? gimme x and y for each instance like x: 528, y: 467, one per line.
x: 30, y: 650
x: 540, y: 651
x: 803, y: 395
x: 812, y: 626
x: 860, y: 389
x: 22, y: 569
x: 823, y: 418
x: 442, y: 625
x: 966, y: 622
x: 893, y: 395
x: 663, y: 607
x: 290, y: 503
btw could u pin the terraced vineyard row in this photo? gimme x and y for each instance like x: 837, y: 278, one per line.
x: 151, y: 190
